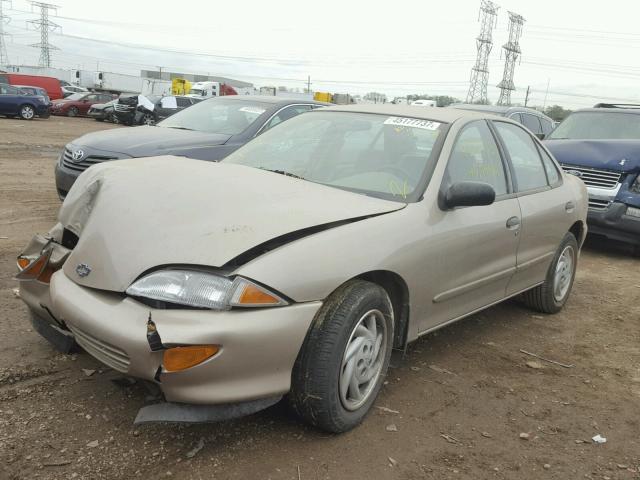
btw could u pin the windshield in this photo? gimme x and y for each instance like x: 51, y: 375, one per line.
x: 599, y: 125
x: 76, y: 96
x: 217, y: 115
x: 378, y: 155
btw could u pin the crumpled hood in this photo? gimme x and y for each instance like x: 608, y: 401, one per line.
x: 134, y: 215
x: 150, y: 141
x: 618, y: 155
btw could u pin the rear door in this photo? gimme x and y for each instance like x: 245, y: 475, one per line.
x: 546, y: 213
x: 478, y: 245
x: 9, y: 100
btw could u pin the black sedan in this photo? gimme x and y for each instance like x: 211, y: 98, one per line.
x: 209, y: 130
x: 103, y: 111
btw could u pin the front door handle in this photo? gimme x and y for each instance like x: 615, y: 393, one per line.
x: 569, y: 206
x: 513, y: 223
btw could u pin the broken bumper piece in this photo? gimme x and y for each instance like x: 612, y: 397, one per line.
x: 185, y: 413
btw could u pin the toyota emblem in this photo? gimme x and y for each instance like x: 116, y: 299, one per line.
x: 83, y: 270
x: 77, y: 155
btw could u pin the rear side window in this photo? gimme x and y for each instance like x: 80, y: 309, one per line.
x: 475, y: 158
x: 552, y: 172
x: 527, y: 165
x: 515, y: 117
x: 531, y: 122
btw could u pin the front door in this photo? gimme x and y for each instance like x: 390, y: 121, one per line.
x: 474, y: 248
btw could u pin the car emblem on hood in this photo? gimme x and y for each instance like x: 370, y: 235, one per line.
x: 83, y: 269
x: 576, y: 173
x: 623, y: 161
x: 77, y: 155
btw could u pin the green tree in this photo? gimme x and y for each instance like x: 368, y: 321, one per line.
x: 557, y: 112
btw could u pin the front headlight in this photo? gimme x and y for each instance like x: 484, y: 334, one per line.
x: 203, y: 290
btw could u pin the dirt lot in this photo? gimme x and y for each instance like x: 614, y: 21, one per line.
x: 460, y: 399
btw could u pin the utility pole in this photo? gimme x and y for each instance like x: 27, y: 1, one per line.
x: 512, y: 49
x: 4, y: 57
x: 480, y: 72
x: 526, y: 98
x: 45, y: 26
x: 546, y: 93
x: 308, y: 83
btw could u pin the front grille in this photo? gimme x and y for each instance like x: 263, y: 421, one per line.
x: 82, y: 165
x: 118, y: 107
x: 593, y: 177
x: 599, y: 205
x: 107, y: 354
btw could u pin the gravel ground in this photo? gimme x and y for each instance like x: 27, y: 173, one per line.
x: 464, y: 402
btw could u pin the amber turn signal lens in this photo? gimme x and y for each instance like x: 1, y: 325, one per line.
x: 23, y: 262
x: 252, y: 295
x: 181, y: 358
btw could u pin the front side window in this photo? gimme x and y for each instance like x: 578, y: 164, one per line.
x: 531, y: 122
x: 547, y: 126
x: 286, y: 114
x: 378, y: 155
x: 475, y: 158
x: 525, y: 159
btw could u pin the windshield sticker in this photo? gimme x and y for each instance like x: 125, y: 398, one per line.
x: 254, y: 110
x: 412, y: 122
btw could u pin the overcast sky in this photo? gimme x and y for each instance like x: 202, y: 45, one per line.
x: 587, y: 50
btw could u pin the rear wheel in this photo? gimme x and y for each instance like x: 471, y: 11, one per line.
x: 27, y: 112
x: 73, y: 112
x: 551, y: 296
x: 344, y: 359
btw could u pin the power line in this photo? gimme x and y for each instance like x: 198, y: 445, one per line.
x: 512, y: 52
x: 4, y: 57
x: 484, y: 42
x: 45, y: 26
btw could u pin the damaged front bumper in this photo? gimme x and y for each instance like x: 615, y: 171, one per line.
x: 616, y: 223
x: 251, y: 371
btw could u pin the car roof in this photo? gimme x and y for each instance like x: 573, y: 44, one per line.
x: 496, y: 109
x: 271, y: 99
x: 445, y: 115
x: 610, y: 110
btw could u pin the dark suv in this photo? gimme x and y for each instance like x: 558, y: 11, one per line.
x: 601, y: 145
x: 538, y: 123
x: 149, y: 109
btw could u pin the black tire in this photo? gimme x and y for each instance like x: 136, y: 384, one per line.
x: 315, y: 391
x: 113, y: 118
x: 73, y: 112
x: 27, y: 112
x: 543, y: 298
x: 100, y: 119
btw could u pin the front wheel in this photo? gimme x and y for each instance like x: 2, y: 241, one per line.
x: 73, y: 112
x: 148, y: 119
x: 344, y: 359
x: 551, y: 296
x: 27, y: 112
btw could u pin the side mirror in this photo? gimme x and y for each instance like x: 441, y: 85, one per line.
x: 540, y: 136
x: 469, y: 194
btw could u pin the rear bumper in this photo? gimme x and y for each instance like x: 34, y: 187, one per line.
x: 259, y: 346
x: 615, y: 224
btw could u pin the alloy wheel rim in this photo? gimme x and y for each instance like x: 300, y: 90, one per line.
x: 362, y: 360
x: 148, y: 120
x: 27, y: 112
x: 563, y: 274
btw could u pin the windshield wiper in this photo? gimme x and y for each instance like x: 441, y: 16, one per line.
x: 282, y: 172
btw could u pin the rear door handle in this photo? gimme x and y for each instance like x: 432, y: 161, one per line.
x: 513, y: 223
x: 569, y: 206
